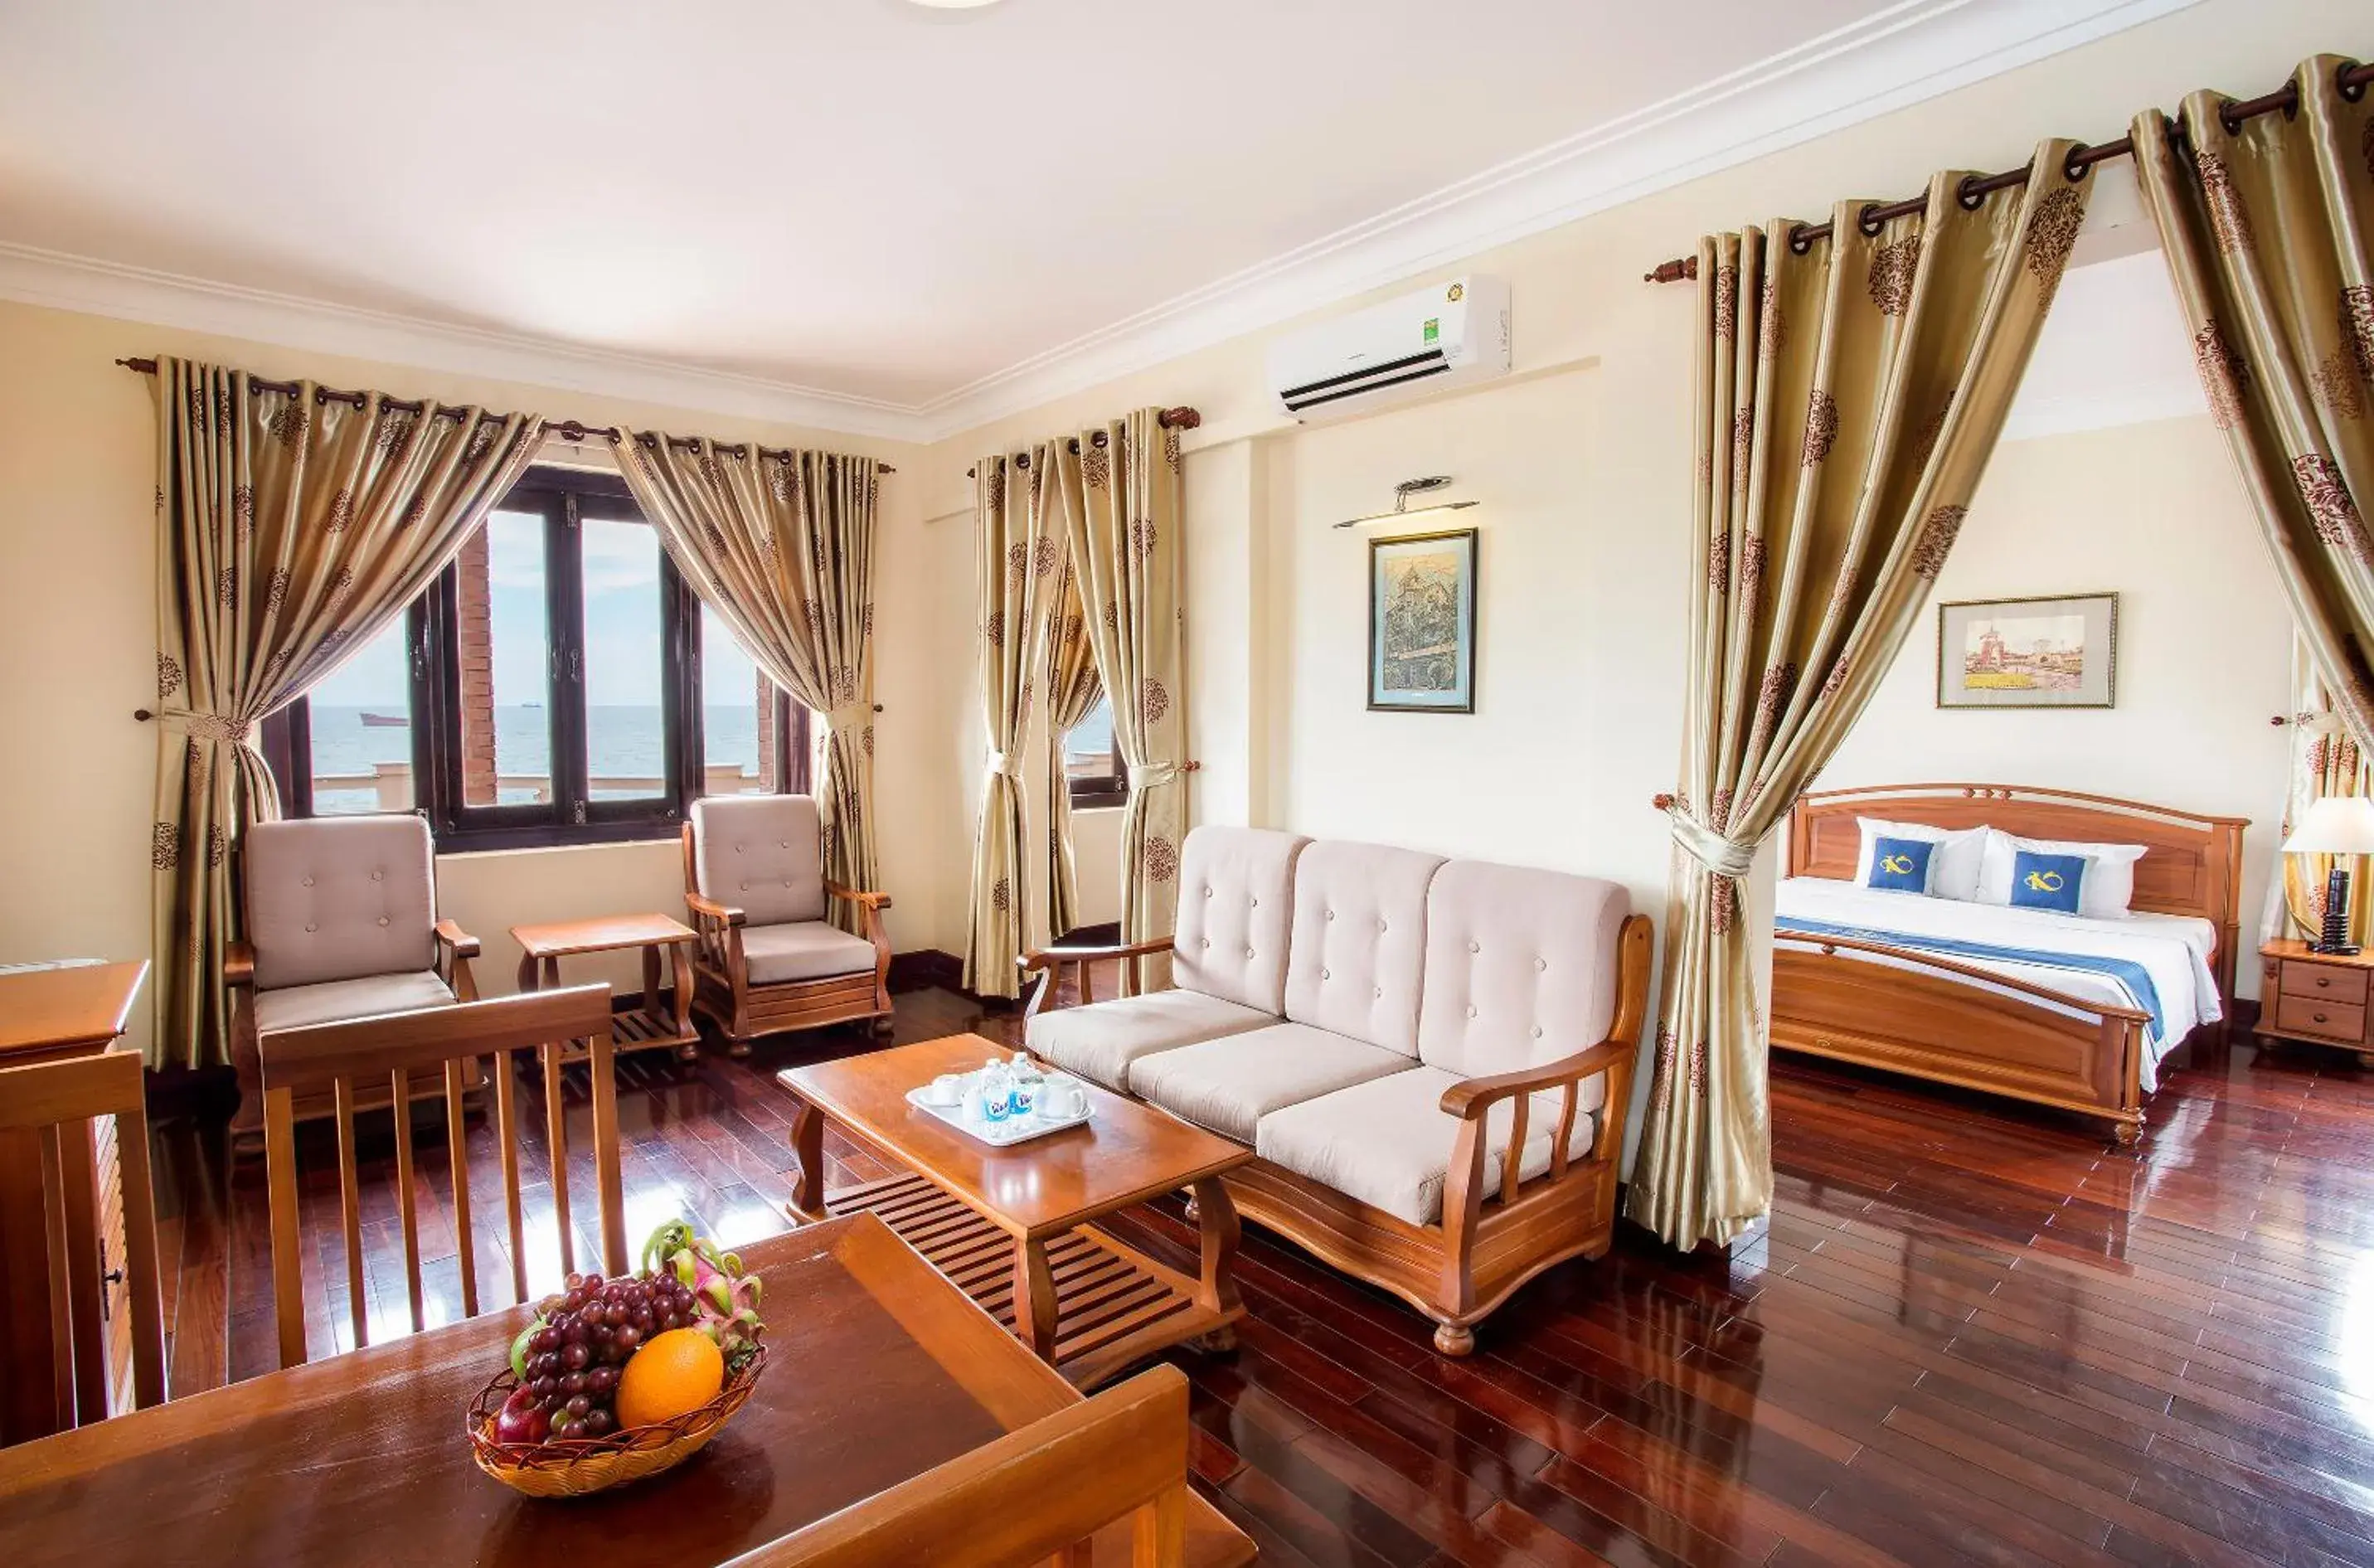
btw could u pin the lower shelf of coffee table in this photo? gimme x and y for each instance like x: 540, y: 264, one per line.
x: 1114, y: 1306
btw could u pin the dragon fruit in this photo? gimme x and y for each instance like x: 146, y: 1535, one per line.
x: 727, y: 1298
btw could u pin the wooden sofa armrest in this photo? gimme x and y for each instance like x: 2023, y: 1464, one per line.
x: 1048, y: 963
x: 854, y: 895
x: 1471, y: 1099
x: 709, y: 909
x: 238, y: 963
x: 458, y: 941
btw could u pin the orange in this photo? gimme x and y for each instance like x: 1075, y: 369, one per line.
x: 669, y: 1375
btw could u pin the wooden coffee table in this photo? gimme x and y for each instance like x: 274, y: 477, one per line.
x: 544, y: 945
x: 1011, y: 1226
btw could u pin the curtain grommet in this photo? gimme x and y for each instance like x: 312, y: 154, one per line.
x: 1799, y: 241
x: 2076, y: 166
x: 1968, y: 199
x: 2350, y: 91
x: 1867, y: 220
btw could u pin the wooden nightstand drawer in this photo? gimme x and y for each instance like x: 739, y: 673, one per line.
x: 2315, y: 1016
x: 2324, y: 981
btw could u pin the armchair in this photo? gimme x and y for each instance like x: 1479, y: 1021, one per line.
x: 341, y: 920
x: 768, y: 960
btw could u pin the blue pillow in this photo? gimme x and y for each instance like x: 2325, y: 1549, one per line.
x: 1900, y: 865
x: 2047, y: 881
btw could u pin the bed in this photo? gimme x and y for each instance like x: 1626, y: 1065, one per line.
x: 2055, y: 1010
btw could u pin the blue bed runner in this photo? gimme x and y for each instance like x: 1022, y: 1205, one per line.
x: 2128, y: 975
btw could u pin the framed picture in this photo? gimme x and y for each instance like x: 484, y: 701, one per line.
x: 2059, y: 652
x: 1422, y: 623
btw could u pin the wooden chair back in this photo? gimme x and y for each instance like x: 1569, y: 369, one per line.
x: 1041, y: 1492
x: 55, y: 1101
x: 386, y: 1050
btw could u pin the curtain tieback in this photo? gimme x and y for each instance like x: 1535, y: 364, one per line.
x: 206, y: 726
x: 851, y: 717
x: 1722, y: 856
x: 1151, y: 775
x: 1005, y: 764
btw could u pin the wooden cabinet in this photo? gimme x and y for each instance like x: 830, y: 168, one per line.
x: 56, y: 1370
x: 2319, y: 997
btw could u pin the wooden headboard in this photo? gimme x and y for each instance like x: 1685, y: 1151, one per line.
x: 2192, y: 864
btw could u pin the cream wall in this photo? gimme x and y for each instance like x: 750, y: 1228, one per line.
x: 77, y: 653
x: 1582, y: 465
x: 2155, y: 513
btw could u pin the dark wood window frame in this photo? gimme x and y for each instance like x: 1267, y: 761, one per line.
x: 566, y: 498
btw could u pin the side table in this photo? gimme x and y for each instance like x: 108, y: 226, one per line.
x: 544, y: 945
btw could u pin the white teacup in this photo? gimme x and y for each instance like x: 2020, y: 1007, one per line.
x: 945, y: 1091
x: 1062, y: 1097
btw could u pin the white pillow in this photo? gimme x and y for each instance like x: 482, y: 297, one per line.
x: 1953, y: 867
x: 2110, y: 884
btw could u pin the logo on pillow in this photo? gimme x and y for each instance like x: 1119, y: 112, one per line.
x: 1900, y: 865
x: 2047, y: 881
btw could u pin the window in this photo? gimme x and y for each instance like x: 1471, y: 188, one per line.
x: 549, y: 688
x: 1092, y: 759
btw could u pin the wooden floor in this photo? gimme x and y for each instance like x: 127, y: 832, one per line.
x: 1971, y: 1335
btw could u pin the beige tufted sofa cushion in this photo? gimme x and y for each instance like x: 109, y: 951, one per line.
x: 339, y: 898
x: 759, y: 853
x: 1236, y: 911
x: 1359, y: 941
x: 1520, y: 968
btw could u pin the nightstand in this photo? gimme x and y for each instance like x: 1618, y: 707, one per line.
x: 2319, y: 997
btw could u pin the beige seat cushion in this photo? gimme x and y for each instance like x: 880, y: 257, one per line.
x: 338, y: 897
x: 759, y: 853
x: 1229, y: 1085
x: 1389, y: 1143
x: 802, y: 949
x: 334, y: 1001
x: 1099, y: 1042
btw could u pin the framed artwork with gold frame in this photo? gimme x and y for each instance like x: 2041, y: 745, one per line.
x: 2058, y: 652
x: 1422, y: 623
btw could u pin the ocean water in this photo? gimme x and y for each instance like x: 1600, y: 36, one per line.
x: 622, y: 743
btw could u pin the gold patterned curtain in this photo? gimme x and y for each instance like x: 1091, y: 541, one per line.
x: 780, y: 545
x: 1122, y: 514
x: 1011, y: 496
x: 1068, y: 663
x: 291, y: 528
x: 2268, y: 229
x: 1847, y: 399
x: 2325, y: 761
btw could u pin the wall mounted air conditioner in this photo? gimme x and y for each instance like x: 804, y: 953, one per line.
x: 1450, y: 334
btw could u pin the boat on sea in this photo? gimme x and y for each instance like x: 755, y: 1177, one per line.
x: 386, y: 721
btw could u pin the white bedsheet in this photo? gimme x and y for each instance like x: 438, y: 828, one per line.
x: 2172, y: 948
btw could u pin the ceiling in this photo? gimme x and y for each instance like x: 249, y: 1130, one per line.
x: 893, y: 217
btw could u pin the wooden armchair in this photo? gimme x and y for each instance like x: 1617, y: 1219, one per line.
x: 341, y: 920
x: 99, y: 1302
x: 1038, y: 1493
x: 768, y: 960
x: 342, y: 1060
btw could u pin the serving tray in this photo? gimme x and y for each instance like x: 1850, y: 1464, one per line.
x: 999, y: 1134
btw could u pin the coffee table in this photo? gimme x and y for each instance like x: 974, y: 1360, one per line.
x: 544, y: 945
x: 1012, y: 1226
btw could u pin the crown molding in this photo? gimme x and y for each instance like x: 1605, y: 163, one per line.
x: 1904, y: 55
x: 36, y: 276
x: 1910, y: 52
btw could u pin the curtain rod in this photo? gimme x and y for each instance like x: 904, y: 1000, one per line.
x: 567, y: 429
x: 2351, y: 79
x: 1180, y: 418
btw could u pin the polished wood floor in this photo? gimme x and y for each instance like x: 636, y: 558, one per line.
x: 1972, y: 1334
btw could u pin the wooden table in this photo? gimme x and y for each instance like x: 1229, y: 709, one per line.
x: 879, y: 1371
x: 1011, y: 1225
x: 47, y: 1015
x: 544, y: 944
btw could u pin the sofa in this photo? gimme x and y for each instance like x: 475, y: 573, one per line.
x: 1429, y: 1059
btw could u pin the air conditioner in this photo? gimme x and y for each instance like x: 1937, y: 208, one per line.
x: 1450, y: 334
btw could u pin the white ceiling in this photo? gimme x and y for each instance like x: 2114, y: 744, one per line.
x: 889, y: 216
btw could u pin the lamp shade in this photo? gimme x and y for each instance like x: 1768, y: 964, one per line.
x: 2339, y: 824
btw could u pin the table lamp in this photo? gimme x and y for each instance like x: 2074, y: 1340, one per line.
x: 2339, y: 824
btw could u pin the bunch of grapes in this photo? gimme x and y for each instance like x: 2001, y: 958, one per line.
x: 582, y: 1337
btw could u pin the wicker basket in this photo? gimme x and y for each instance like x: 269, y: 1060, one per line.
x: 595, y: 1464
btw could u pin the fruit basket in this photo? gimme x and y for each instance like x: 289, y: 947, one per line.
x: 579, y: 1466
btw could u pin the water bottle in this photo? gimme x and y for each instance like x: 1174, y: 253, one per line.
x: 996, y: 1092
x: 1023, y: 1082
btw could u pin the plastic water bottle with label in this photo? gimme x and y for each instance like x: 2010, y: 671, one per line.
x: 996, y: 1092
x: 1023, y: 1083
